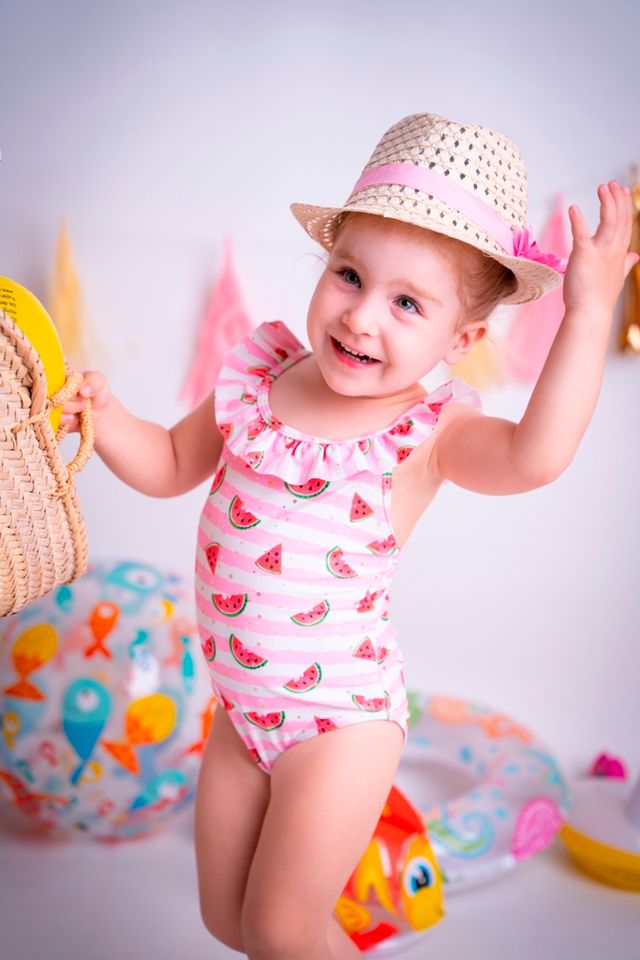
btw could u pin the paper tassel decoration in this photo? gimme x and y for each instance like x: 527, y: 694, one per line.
x: 225, y: 323
x: 629, y: 341
x: 65, y: 302
x: 530, y: 337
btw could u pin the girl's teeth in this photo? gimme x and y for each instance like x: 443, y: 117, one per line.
x: 352, y: 353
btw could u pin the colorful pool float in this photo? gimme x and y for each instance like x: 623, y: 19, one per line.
x: 489, y: 791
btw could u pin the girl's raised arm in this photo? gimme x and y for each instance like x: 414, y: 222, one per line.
x: 491, y: 455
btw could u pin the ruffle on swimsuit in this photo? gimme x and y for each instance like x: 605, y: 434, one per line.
x: 254, y: 434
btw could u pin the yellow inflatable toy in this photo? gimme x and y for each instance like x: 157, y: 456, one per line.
x: 602, y: 833
x: 28, y: 313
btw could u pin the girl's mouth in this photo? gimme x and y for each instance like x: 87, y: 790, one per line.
x: 352, y: 357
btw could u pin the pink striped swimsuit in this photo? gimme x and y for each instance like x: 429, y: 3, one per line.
x: 295, y: 557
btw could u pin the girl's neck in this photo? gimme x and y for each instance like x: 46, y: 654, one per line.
x: 301, y: 398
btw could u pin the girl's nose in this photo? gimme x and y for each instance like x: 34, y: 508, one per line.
x: 362, y: 319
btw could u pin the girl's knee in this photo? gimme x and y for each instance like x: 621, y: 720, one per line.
x: 277, y: 935
x: 224, y: 928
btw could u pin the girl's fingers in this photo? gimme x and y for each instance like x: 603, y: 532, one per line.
x: 608, y: 214
x: 630, y: 261
x: 579, y: 226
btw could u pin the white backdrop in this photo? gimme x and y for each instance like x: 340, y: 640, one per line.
x: 158, y: 128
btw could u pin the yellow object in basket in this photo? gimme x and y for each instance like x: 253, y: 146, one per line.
x: 28, y: 313
x: 611, y: 865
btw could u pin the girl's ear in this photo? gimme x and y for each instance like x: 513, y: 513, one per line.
x: 464, y: 341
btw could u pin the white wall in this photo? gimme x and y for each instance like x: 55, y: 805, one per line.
x: 158, y: 128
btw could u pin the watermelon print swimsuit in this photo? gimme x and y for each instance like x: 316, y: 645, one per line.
x: 295, y: 556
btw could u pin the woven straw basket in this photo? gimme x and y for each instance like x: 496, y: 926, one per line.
x: 43, y: 540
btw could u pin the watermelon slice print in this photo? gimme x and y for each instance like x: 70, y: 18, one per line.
x: 282, y: 353
x: 219, y: 477
x: 209, y: 648
x: 249, y: 397
x: 372, y: 704
x: 312, y: 617
x: 228, y: 704
x: 364, y: 445
x: 365, y: 650
x: 271, y: 561
x: 324, y: 724
x: 367, y: 602
x: 212, y: 551
x: 402, y: 429
x: 383, y: 547
x: 225, y: 429
x: 403, y: 452
x: 386, y: 482
x: 254, y: 458
x: 258, y: 371
x: 360, y: 509
x: 240, y: 518
x: 266, y: 721
x: 309, y: 679
x: 245, y: 657
x: 229, y: 605
x: 437, y: 406
x: 312, y: 488
x: 383, y: 653
x: 255, y: 427
x: 337, y: 566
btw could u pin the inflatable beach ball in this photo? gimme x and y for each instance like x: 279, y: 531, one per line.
x: 105, y: 703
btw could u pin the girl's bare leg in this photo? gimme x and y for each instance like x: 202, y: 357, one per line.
x: 327, y: 794
x: 231, y: 799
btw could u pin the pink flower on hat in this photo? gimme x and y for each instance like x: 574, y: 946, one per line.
x: 525, y: 246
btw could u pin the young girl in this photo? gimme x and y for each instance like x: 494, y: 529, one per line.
x: 322, y: 460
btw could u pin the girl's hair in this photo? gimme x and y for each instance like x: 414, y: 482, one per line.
x: 482, y: 281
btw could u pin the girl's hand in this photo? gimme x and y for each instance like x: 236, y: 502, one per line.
x: 598, y: 265
x: 96, y: 388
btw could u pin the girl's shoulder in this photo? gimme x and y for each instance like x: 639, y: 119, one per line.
x: 253, y: 433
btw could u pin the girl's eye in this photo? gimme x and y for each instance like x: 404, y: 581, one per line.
x: 404, y: 300
x: 347, y: 274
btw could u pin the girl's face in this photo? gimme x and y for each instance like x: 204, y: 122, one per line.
x: 384, y: 311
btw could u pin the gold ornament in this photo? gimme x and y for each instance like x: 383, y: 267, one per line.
x: 629, y: 341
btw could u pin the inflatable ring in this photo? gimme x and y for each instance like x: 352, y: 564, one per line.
x: 28, y: 313
x: 515, y: 801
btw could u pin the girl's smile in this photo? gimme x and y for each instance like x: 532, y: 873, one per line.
x: 351, y: 357
x: 384, y: 311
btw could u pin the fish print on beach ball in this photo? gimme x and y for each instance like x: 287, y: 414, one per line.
x: 105, y: 703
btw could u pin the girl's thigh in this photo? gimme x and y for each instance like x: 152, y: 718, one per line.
x: 327, y: 794
x: 232, y: 795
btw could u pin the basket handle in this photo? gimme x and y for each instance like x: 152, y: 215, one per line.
x: 87, y: 434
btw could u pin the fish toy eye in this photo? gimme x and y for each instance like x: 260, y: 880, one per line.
x: 417, y: 876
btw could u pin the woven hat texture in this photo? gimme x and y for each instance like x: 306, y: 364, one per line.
x: 43, y: 540
x: 481, y: 161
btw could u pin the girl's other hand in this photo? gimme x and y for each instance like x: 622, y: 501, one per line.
x: 95, y: 388
x: 598, y: 265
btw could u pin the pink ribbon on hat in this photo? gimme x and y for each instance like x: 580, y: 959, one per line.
x: 518, y: 242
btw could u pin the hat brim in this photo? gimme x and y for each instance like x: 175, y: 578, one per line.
x: 534, y: 279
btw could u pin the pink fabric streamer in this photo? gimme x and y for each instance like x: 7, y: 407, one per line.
x: 533, y: 330
x: 225, y: 323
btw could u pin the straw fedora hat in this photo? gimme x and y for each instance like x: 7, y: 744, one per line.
x: 463, y: 180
